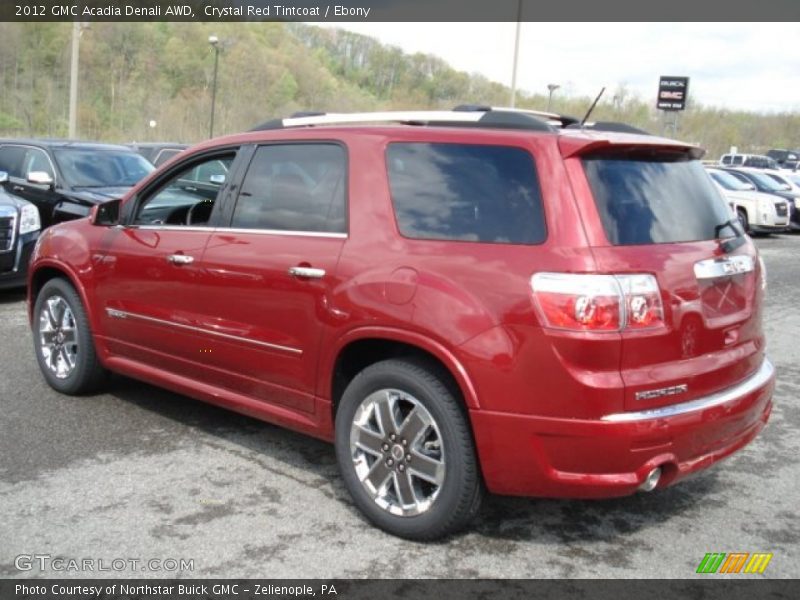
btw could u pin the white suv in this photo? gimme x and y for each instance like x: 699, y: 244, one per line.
x: 757, y: 211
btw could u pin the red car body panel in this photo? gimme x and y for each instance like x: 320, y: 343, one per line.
x: 234, y: 329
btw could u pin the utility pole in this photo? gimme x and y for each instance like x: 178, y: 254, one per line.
x: 73, y: 81
x: 214, y: 41
x: 516, y: 56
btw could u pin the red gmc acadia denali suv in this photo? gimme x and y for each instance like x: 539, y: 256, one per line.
x: 460, y: 300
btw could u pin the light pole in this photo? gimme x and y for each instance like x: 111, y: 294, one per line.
x: 73, y: 80
x: 214, y: 41
x: 516, y: 56
x: 551, y: 87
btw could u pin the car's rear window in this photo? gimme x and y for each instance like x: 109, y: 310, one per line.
x: 654, y: 198
x: 473, y: 193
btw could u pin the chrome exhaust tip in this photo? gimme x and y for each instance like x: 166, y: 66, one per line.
x: 651, y: 481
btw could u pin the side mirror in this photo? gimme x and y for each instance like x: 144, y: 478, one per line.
x: 105, y: 214
x: 786, y: 187
x: 217, y: 179
x: 3, y: 176
x: 40, y: 178
x: 751, y: 186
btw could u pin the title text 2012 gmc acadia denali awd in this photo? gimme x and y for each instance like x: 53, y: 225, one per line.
x: 460, y: 301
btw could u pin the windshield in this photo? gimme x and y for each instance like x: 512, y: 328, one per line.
x: 655, y: 198
x: 101, y: 168
x: 779, y: 179
x: 729, y: 182
x: 766, y: 183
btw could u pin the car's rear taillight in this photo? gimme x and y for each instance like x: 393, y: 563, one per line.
x: 584, y: 302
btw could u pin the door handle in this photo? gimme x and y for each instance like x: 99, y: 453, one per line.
x: 18, y: 188
x: 180, y: 259
x: 306, y: 272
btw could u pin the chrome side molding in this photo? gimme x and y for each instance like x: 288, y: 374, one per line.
x: 122, y: 314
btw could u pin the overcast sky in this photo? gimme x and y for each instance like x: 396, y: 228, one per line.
x: 751, y: 66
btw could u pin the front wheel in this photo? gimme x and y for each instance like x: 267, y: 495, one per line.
x: 63, y: 340
x: 405, y: 451
x: 743, y: 220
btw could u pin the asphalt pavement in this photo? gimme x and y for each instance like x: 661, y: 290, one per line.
x: 140, y: 474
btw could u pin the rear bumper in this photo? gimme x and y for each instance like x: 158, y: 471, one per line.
x: 535, y: 456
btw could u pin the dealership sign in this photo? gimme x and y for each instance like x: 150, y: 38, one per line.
x: 672, y: 92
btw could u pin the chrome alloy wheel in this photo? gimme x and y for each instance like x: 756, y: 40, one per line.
x: 58, y: 340
x: 397, y: 452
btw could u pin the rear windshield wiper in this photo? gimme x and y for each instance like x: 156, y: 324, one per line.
x: 730, y: 244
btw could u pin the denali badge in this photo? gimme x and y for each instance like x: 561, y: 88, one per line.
x: 667, y: 391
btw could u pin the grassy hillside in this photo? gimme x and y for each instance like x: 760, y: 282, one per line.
x: 132, y: 73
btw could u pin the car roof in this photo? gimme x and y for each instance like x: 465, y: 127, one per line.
x: 63, y: 143
x: 573, y: 139
x: 158, y: 145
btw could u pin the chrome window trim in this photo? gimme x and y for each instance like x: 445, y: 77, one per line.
x: 749, y: 385
x: 169, y: 227
x: 123, y: 314
x: 320, y: 234
x: 291, y: 232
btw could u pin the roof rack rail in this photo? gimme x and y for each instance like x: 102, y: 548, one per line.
x: 554, y: 119
x: 611, y: 126
x: 463, y: 115
x: 498, y: 119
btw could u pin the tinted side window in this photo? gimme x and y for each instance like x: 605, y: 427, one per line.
x: 11, y: 159
x: 294, y: 187
x: 474, y: 193
x: 183, y: 200
x: 726, y: 160
x: 654, y: 199
x: 737, y: 160
x: 165, y: 155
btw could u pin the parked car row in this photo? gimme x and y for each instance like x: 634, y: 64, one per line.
x: 765, y: 200
x: 44, y: 182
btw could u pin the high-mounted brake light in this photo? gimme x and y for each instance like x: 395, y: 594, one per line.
x: 585, y: 302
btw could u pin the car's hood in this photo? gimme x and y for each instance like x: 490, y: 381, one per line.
x: 788, y: 195
x: 7, y: 199
x: 748, y: 196
x: 96, y: 195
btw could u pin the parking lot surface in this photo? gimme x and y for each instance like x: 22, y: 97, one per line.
x: 138, y: 473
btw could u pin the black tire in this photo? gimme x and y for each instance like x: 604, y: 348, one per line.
x: 743, y: 220
x: 459, y: 496
x: 86, y: 374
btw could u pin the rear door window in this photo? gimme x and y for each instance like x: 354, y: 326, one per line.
x: 294, y: 187
x: 472, y: 193
x: 654, y: 198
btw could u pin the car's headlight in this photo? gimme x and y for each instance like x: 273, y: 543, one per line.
x: 29, y: 219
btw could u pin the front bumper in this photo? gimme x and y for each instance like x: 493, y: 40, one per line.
x: 536, y: 456
x: 14, y: 263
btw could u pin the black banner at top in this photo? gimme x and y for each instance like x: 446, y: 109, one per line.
x: 397, y: 10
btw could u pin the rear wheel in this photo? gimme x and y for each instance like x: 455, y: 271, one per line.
x: 405, y: 451
x: 63, y: 341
